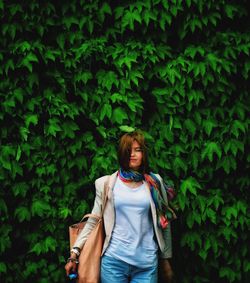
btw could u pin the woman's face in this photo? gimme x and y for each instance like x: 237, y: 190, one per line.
x: 135, y: 160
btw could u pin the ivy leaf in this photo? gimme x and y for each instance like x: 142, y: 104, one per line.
x: 119, y: 115
x: 3, y: 207
x: 228, y: 273
x: 230, y: 10
x: 40, y: 208
x: 24, y: 133
x: 149, y: 15
x: 31, y: 119
x: 234, y: 145
x: 20, y: 189
x: 178, y: 164
x: 65, y: 212
x: 211, y: 148
x: 84, y: 77
x: 231, y: 211
x: 208, y: 126
x: 237, y: 125
x: 190, y: 126
x: 53, y: 127
x: 127, y: 129
x: 69, y: 128
x: 50, y: 244
x: 106, y: 110
x: 9, y: 66
x: 3, y: 267
x: 107, y: 79
x: 22, y: 213
x: 211, y: 214
x: 227, y: 163
x: 203, y: 254
x: 27, y: 61
x: 190, y: 220
x: 129, y: 18
x: 191, y: 185
x: 18, y: 94
x: 37, y: 249
x: 105, y: 9
x: 103, y: 131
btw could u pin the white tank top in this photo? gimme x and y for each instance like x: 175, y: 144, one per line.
x: 132, y: 238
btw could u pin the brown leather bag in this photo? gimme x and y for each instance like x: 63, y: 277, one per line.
x: 90, y: 256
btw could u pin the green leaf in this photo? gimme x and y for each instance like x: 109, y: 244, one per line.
x: 190, y: 220
x: 53, y: 127
x: 126, y: 129
x: 20, y: 189
x: 203, y: 254
x: 191, y: 185
x: 24, y: 133
x: 1, y: 5
x: 27, y: 61
x: 65, y: 212
x: 211, y: 215
x: 107, y: 79
x: 69, y: 128
x: 37, y: 249
x: 22, y: 213
x: 40, y: 208
x: 105, y: 9
x: 31, y: 119
x: 119, y: 115
x: 190, y: 126
x: 3, y: 267
x: 237, y: 125
x: 231, y: 211
x: 228, y: 273
x: 178, y: 164
x: 149, y: 15
x: 3, y: 207
x: 211, y: 148
x: 106, y: 110
x: 129, y: 18
x: 50, y: 244
x: 84, y: 77
x: 230, y: 10
x: 208, y: 126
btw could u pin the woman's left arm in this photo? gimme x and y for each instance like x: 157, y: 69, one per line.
x: 165, y: 271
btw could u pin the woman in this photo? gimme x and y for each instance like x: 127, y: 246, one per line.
x: 136, y: 220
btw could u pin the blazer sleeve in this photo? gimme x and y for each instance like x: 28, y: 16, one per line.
x: 97, y: 209
x: 167, y: 235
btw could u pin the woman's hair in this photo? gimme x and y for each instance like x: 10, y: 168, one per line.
x: 124, y: 150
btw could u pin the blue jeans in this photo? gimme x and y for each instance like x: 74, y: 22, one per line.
x: 117, y: 271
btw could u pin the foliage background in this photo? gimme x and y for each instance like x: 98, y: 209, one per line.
x: 74, y: 75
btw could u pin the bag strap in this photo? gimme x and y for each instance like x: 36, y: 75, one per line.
x: 97, y: 217
x: 104, y: 201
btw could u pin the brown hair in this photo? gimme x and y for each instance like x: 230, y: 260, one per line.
x: 124, y: 150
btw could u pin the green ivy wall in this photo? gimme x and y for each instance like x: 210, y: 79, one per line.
x: 75, y: 75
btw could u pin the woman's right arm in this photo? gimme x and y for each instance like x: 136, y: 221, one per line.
x: 71, y: 265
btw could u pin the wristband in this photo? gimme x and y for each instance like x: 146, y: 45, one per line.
x: 75, y: 251
x: 71, y: 259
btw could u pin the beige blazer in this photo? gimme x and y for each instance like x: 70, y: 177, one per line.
x: 107, y: 183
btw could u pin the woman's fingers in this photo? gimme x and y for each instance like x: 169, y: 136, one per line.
x: 70, y: 267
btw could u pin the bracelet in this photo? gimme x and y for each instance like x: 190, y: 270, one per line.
x: 71, y: 259
x: 75, y: 251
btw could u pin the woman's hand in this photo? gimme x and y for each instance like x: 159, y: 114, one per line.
x: 165, y: 271
x: 71, y: 266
